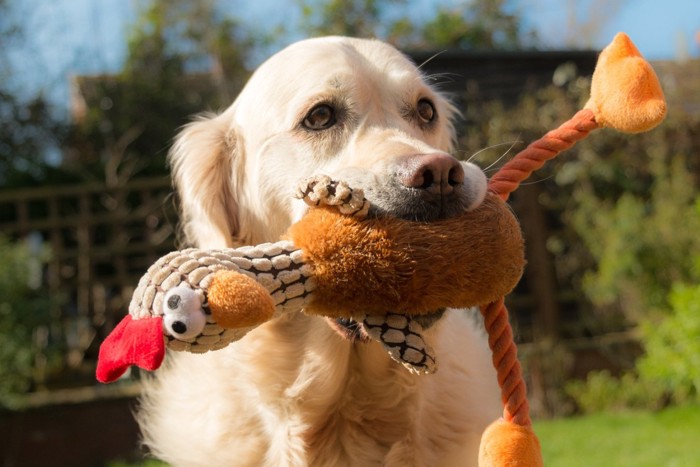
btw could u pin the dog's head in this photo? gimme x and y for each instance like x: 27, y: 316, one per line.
x: 357, y: 110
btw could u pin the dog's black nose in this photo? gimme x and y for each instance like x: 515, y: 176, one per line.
x: 436, y: 173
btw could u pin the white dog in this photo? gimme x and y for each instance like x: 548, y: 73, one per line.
x: 303, y: 390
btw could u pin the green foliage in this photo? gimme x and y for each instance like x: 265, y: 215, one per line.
x: 478, y: 24
x: 636, y: 207
x: 24, y: 316
x: 603, y: 392
x: 635, y: 210
x: 28, y: 127
x: 27, y: 130
x: 183, y: 58
x: 355, y: 18
x: 640, y: 249
x: 669, y: 371
x: 673, y: 346
x: 485, y: 24
x: 625, y: 222
x: 633, y: 204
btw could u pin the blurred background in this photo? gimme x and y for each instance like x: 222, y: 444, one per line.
x: 607, y: 314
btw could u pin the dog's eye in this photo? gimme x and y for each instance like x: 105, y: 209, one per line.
x: 426, y: 110
x: 320, y: 117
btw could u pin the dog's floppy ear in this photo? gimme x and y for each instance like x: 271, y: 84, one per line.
x: 202, y: 161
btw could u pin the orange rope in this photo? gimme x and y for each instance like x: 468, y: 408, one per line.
x: 516, y: 408
x: 508, y: 178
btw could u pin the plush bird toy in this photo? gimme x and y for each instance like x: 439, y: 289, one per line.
x: 401, y: 274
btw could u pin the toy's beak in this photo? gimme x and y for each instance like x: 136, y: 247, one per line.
x: 137, y: 342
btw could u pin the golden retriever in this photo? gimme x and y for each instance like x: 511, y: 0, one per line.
x: 303, y: 390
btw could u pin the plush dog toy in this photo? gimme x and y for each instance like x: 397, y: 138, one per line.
x: 401, y: 274
x: 337, y: 262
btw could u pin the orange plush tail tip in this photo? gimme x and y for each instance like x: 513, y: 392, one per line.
x: 625, y: 92
x: 508, y: 444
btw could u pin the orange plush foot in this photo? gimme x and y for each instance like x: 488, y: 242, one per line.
x: 507, y: 444
x: 237, y: 301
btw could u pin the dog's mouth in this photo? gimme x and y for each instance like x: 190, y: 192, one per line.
x: 349, y: 329
x: 390, y: 196
x: 400, y: 335
x: 415, y: 205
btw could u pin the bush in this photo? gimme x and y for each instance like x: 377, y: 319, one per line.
x: 602, y: 392
x: 639, y: 248
x: 668, y: 372
x: 673, y: 346
x: 25, y: 315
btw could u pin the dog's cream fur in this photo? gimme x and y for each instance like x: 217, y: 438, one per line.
x: 293, y: 392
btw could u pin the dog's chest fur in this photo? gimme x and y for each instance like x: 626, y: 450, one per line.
x: 348, y: 405
x: 297, y: 394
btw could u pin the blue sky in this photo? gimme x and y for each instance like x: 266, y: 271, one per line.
x: 87, y: 36
x: 662, y: 29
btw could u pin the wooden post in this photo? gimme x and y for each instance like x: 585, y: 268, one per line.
x: 543, y: 287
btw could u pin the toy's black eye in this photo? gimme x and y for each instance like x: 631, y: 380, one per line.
x: 320, y: 117
x: 174, y: 302
x: 426, y: 110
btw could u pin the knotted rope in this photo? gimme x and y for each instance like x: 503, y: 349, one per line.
x: 516, y: 408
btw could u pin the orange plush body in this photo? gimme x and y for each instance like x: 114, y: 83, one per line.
x: 376, y: 266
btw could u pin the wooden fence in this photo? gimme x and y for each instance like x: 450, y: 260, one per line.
x: 100, y: 240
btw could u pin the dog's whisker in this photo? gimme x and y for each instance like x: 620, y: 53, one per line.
x: 492, y: 170
x: 543, y: 179
x: 480, y: 151
x: 512, y: 145
x: 427, y: 60
x: 462, y: 154
x: 441, y: 78
x: 487, y: 148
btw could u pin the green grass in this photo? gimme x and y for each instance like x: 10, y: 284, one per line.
x: 670, y: 438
